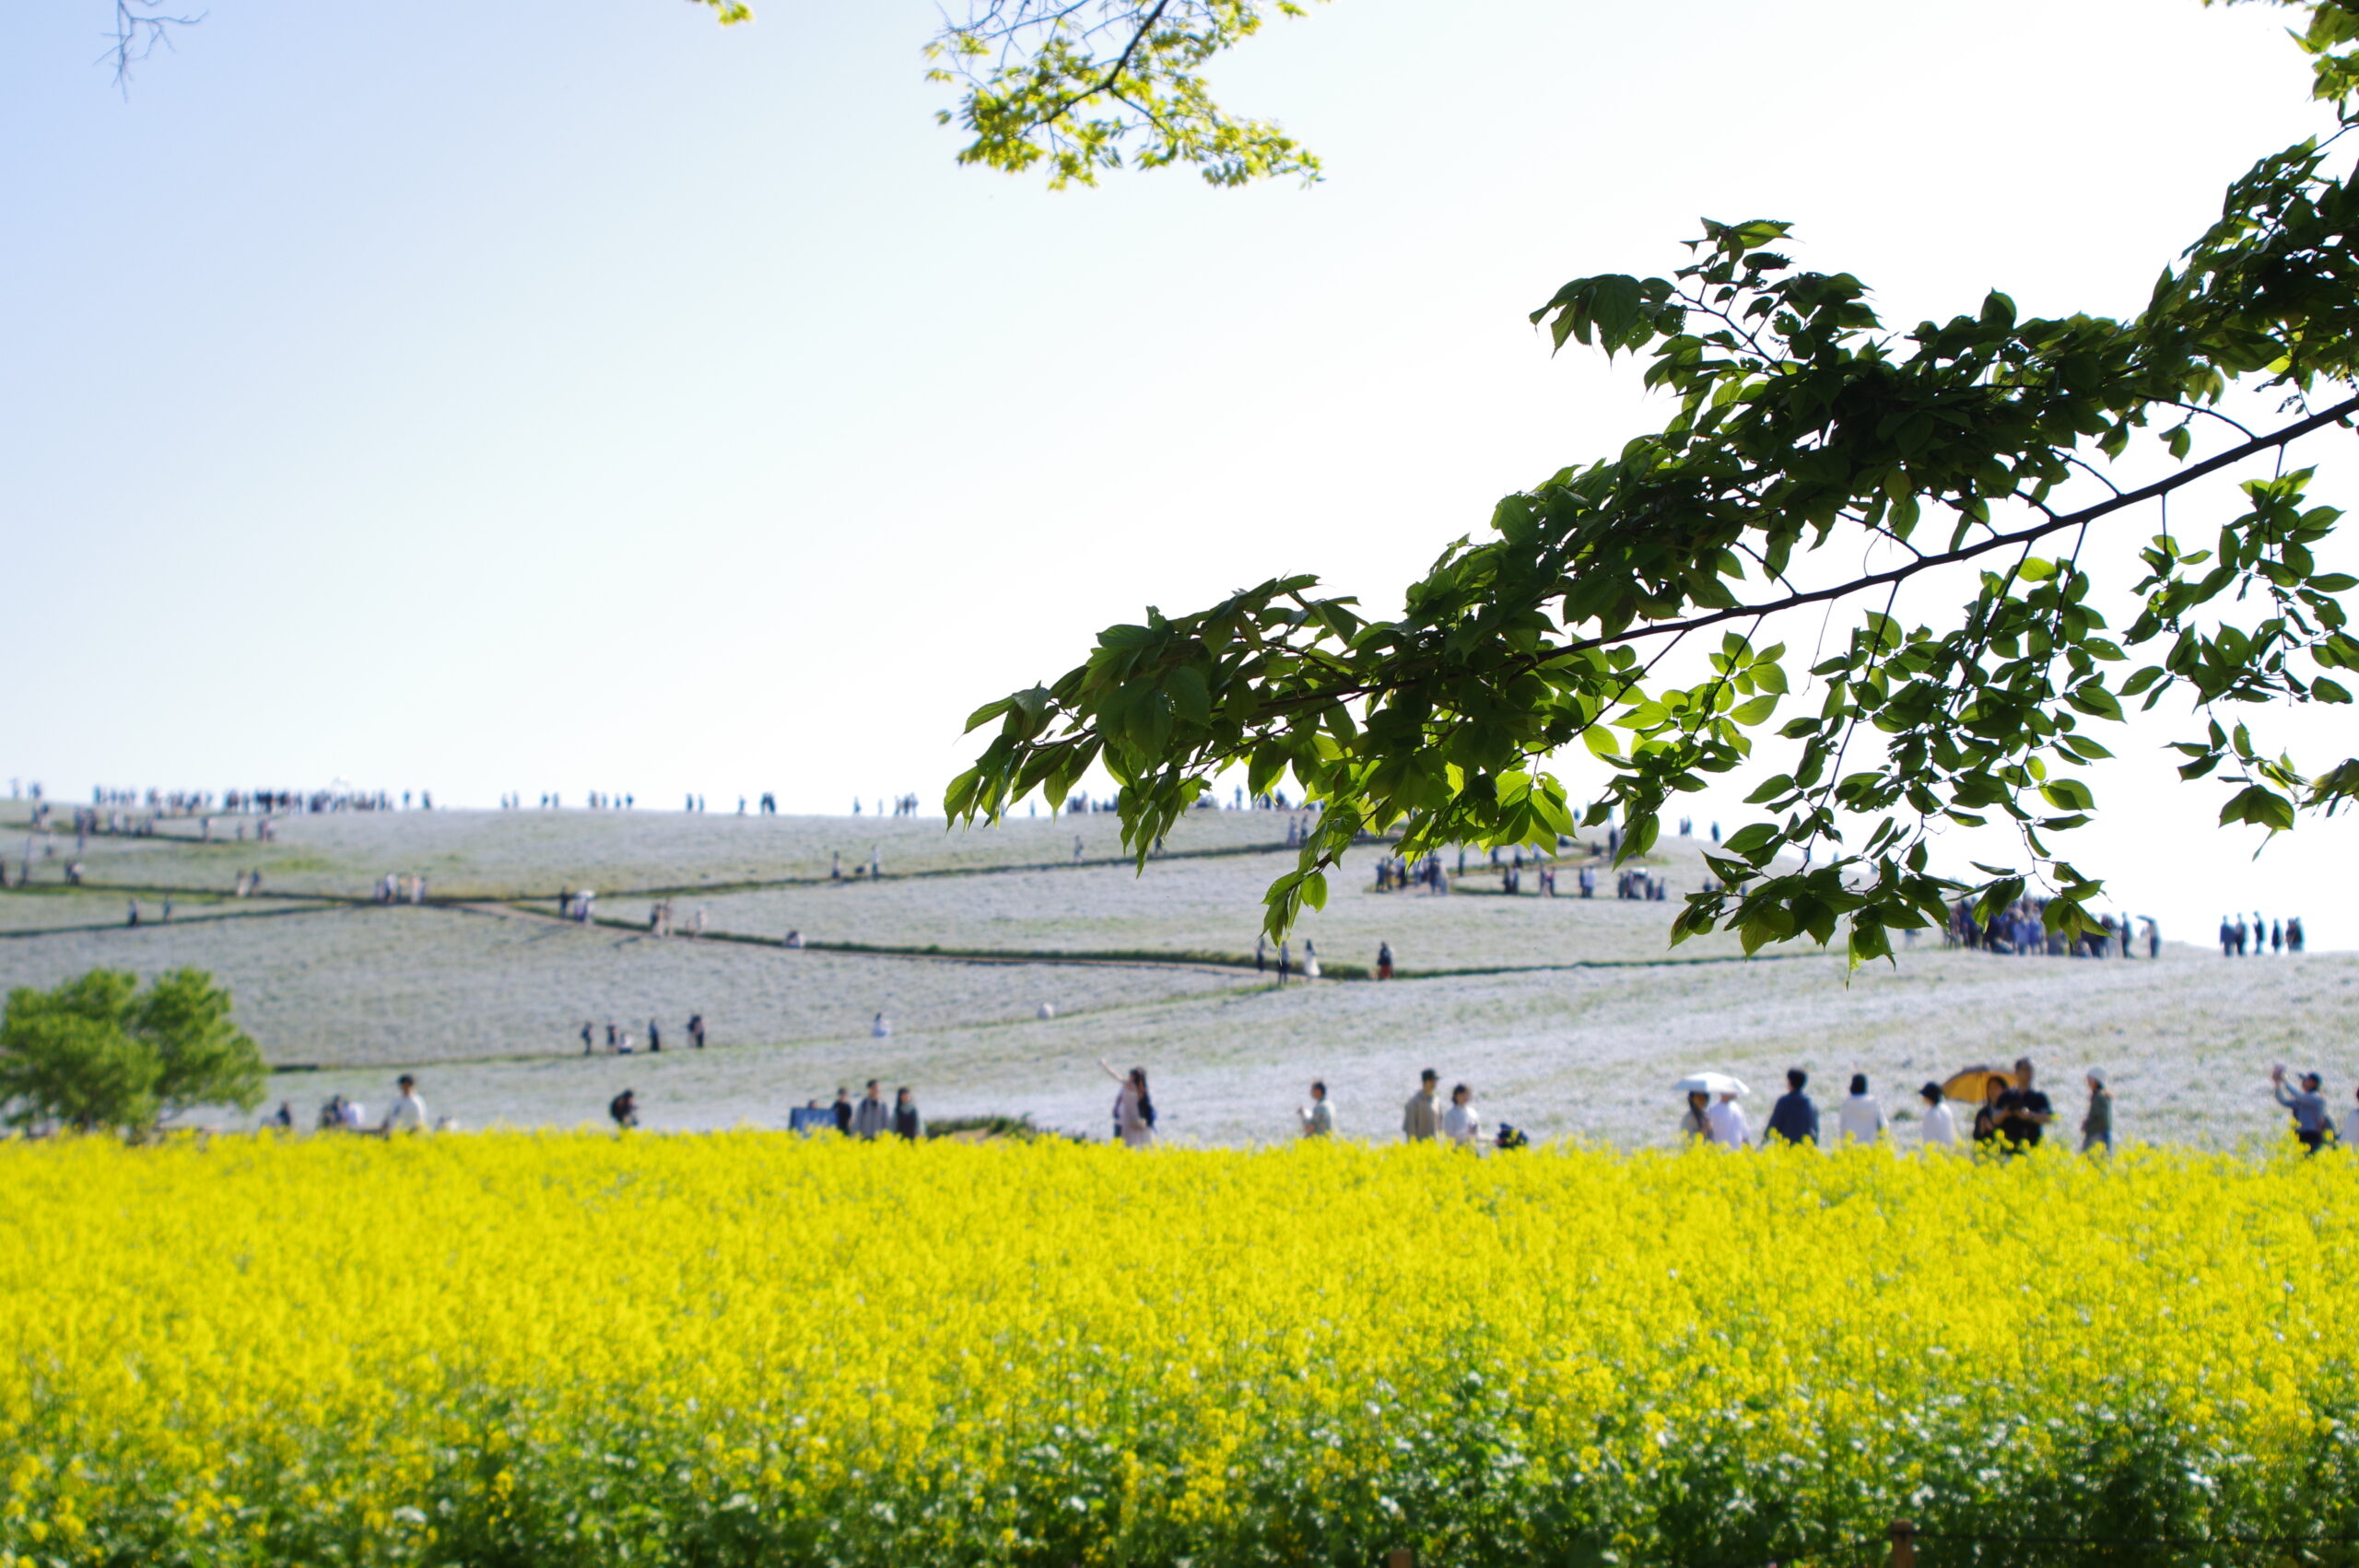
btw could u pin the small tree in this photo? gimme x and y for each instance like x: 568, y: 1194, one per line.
x: 98, y: 1051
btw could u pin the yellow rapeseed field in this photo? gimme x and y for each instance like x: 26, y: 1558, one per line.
x: 749, y: 1348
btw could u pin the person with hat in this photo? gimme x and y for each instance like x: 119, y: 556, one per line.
x: 2096, y: 1126
x: 2310, y: 1117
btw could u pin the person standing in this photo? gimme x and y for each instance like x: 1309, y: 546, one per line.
x: 1794, y: 1117
x: 1285, y: 963
x: 843, y: 1111
x: 869, y: 1118
x: 589, y: 1034
x: 1985, y: 1115
x: 1260, y: 955
x: 696, y: 1030
x: 908, y: 1125
x: 1695, y: 1121
x: 1941, y: 1124
x: 1461, y: 1124
x: 2351, y: 1126
x: 2308, y: 1107
x: 2023, y: 1111
x: 1318, y: 1117
x: 1134, y: 1108
x: 2096, y: 1124
x: 1730, y: 1129
x: 1384, y: 961
x: 408, y: 1113
x: 1421, y: 1119
x: 1859, y: 1119
x: 655, y: 1035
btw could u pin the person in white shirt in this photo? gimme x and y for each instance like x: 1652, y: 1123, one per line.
x: 1859, y: 1119
x: 356, y: 1116
x: 1461, y: 1124
x: 1319, y: 1116
x: 1730, y: 1129
x: 1941, y: 1127
x: 408, y: 1114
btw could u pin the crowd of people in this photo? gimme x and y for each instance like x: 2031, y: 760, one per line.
x: 2021, y: 930
x: 2281, y: 936
x: 2009, y: 1114
x: 620, y: 1041
x: 869, y: 1119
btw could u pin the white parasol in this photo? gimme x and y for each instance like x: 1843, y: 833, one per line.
x: 1711, y: 1084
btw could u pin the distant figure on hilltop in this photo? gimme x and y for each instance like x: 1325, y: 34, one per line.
x: 880, y: 1029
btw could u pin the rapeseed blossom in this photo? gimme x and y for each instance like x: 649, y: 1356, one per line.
x: 749, y: 1348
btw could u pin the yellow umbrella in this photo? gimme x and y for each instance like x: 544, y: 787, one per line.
x: 1969, y: 1084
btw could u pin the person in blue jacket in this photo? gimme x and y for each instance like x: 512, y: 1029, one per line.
x: 1793, y: 1117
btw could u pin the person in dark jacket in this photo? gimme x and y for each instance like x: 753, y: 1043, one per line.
x: 907, y: 1123
x: 1794, y: 1117
x: 843, y: 1112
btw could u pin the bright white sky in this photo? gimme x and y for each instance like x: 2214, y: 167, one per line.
x: 536, y: 396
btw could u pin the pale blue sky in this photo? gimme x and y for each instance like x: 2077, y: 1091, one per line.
x: 528, y: 397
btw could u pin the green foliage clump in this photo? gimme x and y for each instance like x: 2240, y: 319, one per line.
x: 99, y: 1052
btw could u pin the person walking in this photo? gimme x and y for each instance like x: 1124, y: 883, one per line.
x: 1859, y: 1119
x: 869, y: 1118
x: 1940, y: 1123
x: 908, y: 1125
x: 1729, y: 1128
x: 408, y: 1112
x: 1461, y: 1124
x: 2096, y: 1123
x: 2310, y: 1119
x: 1318, y: 1117
x: 2023, y: 1111
x: 1695, y: 1121
x: 1133, y: 1108
x: 1421, y: 1119
x: 1794, y: 1117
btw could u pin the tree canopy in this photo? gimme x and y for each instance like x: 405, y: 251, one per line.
x: 99, y: 1052
x: 1811, y: 442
